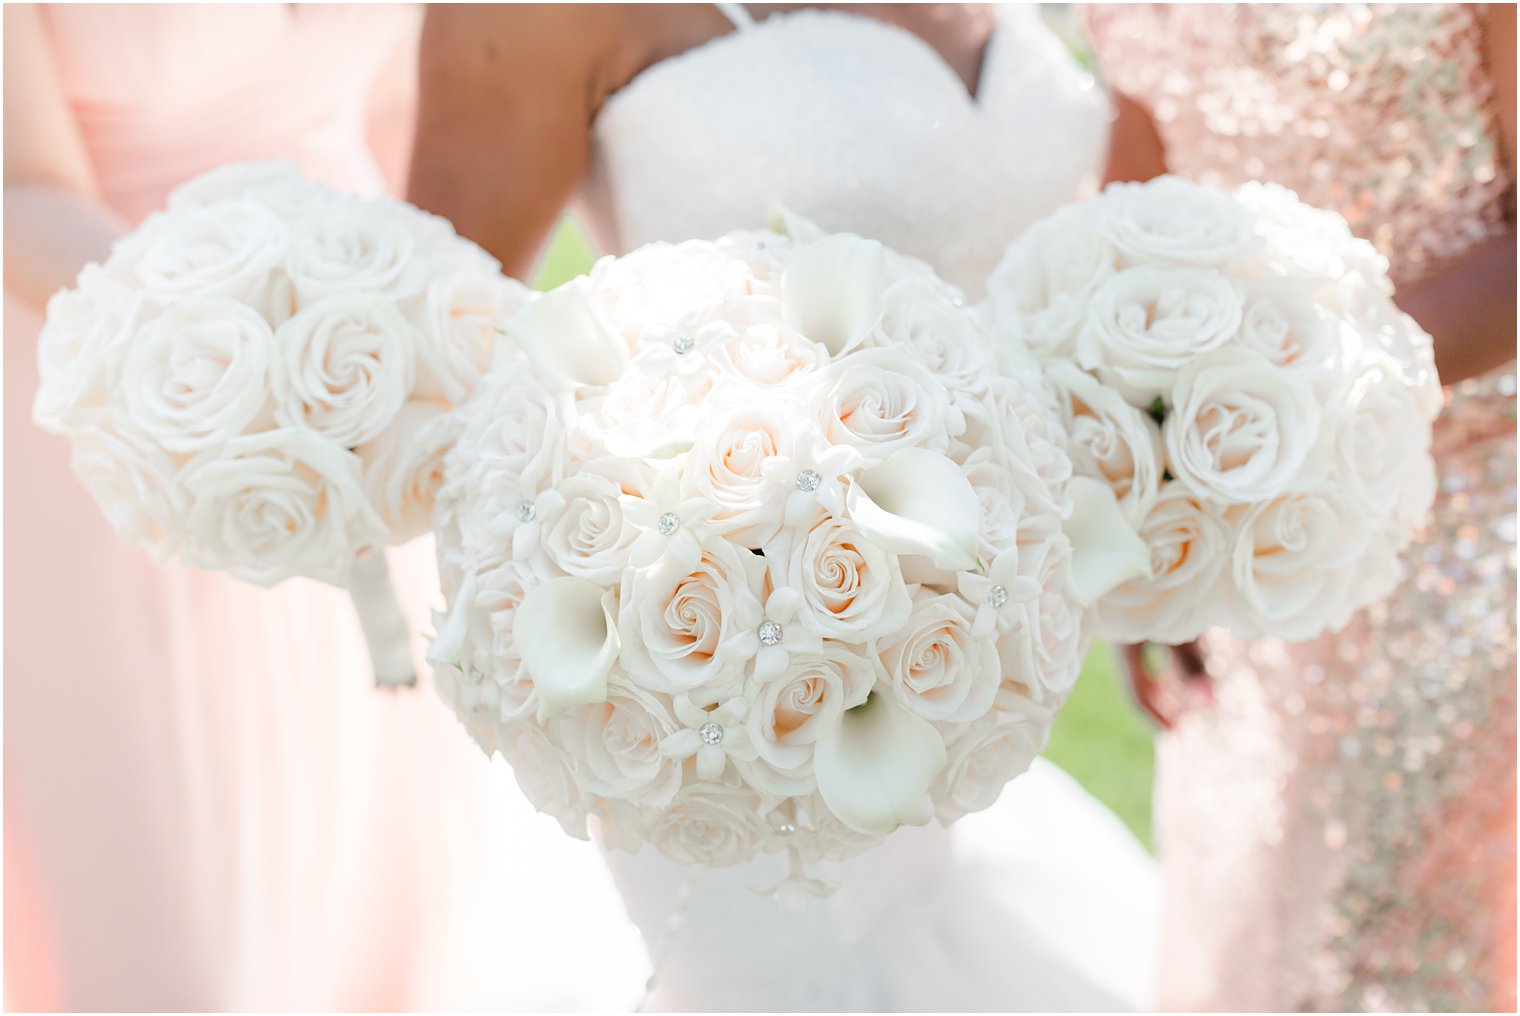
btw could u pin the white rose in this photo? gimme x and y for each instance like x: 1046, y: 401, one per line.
x: 490, y: 678
x: 1039, y: 293
x: 88, y: 329
x: 348, y: 246
x: 938, y: 668
x: 403, y: 467
x: 345, y: 366
x: 515, y: 441
x: 1001, y: 502
x: 765, y: 355
x: 880, y: 400
x: 710, y: 825
x: 1308, y: 240
x: 1240, y: 429
x: 276, y: 504
x: 1042, y: 656
x: 1383, y: 446
x: 589, y: 537
x: 133, y: 481
x: 1110, y: 440
x: 646, y: 412
x: 922, y: 314
x: 1379, y: 324
x: 199, y: 374
x: 1023, y: 436
x: 726, y: 467
x: 1190, y: 551
x: 456, y: 321
x: 543, y: 772
x: 276, y: 184
x: 232, y: 249
x: 1145, y: 324
x: 790, y: 711
x: 679, y: 626
x: 1284, y: 323
x: 1294, y: 562
x: 851, y: 589
x: 661, y: 286
x: 1171, y: 222
x: 616, y: 745
x: 988, y: 754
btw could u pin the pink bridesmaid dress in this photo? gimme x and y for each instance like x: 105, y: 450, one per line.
x: 1338, y: 831
x: 207, y: 803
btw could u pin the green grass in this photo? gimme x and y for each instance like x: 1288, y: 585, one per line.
x: 1098, y: 738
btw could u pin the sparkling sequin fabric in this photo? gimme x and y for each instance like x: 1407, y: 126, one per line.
x: 1338, y: 831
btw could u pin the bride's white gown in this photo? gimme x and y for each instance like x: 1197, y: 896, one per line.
x: 1043, y: 902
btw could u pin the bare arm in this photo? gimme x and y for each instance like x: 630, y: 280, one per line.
x: 507, y: 95
x: 1135, y: 150
x: 55, y: 221
x: 1468, y: 305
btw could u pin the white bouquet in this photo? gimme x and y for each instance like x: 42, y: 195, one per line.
x: 260, y: 379
x: 1232, y: 366
x: 750, y: 546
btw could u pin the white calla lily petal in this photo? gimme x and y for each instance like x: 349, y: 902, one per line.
x: 787, y: 222
x: 832, y: 292
x: 567, y: 640
x: 918, y: 502
x: 448, y: 645
x: 1105, y: 549
x: 874, y: 767
x: 568, y: 340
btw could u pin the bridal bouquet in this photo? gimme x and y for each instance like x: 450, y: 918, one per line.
x: 1232, y: 366
x: 260, y: 378
x: 749, y: 546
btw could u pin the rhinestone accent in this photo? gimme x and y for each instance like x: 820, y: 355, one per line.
x: 710, y: 732
x: 770, y: 633
x: 786, y: 829
x: 683, y: 344
x: 527, y: 511
x: 997, y: 597
x: 668, y: 523
x: 808, y: 481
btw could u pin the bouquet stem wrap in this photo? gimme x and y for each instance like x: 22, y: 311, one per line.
x: 385, y: 629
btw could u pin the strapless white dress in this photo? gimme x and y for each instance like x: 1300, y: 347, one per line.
x: 1044, y: 901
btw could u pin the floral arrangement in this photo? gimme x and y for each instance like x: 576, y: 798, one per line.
x: 1233, y: 368
x: 261, y: 378
x: 753, y: 546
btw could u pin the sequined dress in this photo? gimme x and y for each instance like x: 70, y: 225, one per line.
x: 1338, y: 831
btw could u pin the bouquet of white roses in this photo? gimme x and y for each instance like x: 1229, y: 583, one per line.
x: 260, y: 378
x: 1232, y: 366
x: 750, y: 547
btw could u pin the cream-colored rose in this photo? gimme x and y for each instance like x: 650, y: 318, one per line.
x: 986, y: 755
x: 1042, y: 656
x: 924, y: 315
x: 1110, y: 440
x: 275, y: 183
x: 726, y: 467
x: 590, y: 537
x: 1190, y: 551
x: 456, y: 320
x: 938, y: 669
x: 852, y: 590
x: 87, y: 332
x: 1293, y: 564
x: 233, y: 249
x: 1145, y: 324
x: 344, y: 367
x: 1284, y: 323
x: 661, y: 286
x: 681, y: 627
x: 404, y: 466
x: 133, y: 481
x: 710, y: 825
x: 1241, y: 430
x: 278, y: 504
x: 198, y: 375
x: 348, y: 246
x: 790, y: 711
x: 1383, y: 447
x: 766, y: 355
x: 1038, y: 295
x: 1172, y: 222
x: 544, y: 773
x: 880, y: 400
x: 616, y: 745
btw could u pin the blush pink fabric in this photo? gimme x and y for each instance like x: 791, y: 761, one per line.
x: 207, y: 804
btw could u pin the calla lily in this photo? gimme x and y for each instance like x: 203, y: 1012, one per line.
x: 568, y: 339
x: 874, y: 768
x: 787, y: 222
x: 567, y: 640
x: 1105, y: 549
x: 832, y: 291
x: 448, y: 646
x: 918, y: 502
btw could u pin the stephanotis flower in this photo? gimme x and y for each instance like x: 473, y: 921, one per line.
x: 813, y: 475
x: 781, y: 634
x: 995, y: 593
x: 671, y: 528
x: 713, y: 735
